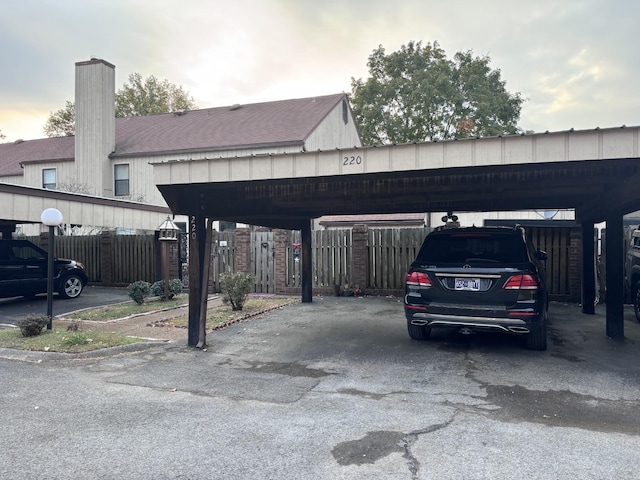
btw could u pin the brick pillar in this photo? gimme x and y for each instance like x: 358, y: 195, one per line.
x: 575, y: 264
x: 243, y: 250
x: 280, y: 239
x: 106, y: 255
x: 174, y: 261
x: 44, y: 241
x: 360, y: 256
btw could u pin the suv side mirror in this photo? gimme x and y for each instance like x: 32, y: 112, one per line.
x: 541, y: 255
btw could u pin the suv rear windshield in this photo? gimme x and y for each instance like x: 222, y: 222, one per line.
x: 472, y: 247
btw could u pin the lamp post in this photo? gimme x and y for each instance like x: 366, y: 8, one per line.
x: 52, y: 218
x: 168, y: 233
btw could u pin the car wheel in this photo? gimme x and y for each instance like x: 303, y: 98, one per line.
x: 636, y: 300
x: 418, y: 332
x: 71, y: 287
x: 537, y: 339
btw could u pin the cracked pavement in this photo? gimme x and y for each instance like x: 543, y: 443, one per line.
x: 334, y: 389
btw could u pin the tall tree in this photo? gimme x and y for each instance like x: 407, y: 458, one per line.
x: 136, y: 98
x: 149, y: 96
x: 417, y: 94
x: 61, y: 123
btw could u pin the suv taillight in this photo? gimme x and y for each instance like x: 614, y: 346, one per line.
x: 419, y: 279
x: 521, y: 282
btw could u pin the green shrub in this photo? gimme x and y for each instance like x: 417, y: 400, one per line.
x: 32, y: 325
x: 77, y: 338
x: 139, y: 290
x: 236, y: 287
x: 175, y: 288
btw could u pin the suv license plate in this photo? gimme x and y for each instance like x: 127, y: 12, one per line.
x: 468, y: 284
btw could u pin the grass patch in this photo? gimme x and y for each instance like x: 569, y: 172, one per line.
x: 223, y: 315
x: 61, y: 340
x: 122, y: 310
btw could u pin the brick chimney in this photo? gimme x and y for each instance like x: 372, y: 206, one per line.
x: 95, y: 137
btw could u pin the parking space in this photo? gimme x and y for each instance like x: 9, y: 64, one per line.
x: 335, y: 389
x: 12, y: 309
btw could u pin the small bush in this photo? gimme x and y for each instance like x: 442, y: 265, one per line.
x: 236, y: 287
x: 77, y: 338
x: 32, y: 325
x: 139, y: 290
x: 175, y: 288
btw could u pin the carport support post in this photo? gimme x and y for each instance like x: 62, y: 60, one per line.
x: 588, y: 269
x: 197, y: 237
x: 614, y: 250
x: 306, y: 275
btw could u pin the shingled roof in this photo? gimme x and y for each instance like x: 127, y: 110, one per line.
x: 43, y: 150
x: 285, y: 122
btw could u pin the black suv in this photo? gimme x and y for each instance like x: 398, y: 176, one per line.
x: 478, y: 279
x: 632, y: 271
x: 23, y: 271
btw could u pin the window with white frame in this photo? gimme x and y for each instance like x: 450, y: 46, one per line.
x: 49, y: 178
x: 121, y: 177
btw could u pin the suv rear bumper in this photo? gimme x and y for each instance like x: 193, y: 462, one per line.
x: 507, y: 325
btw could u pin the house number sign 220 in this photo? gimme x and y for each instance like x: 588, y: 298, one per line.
x: 357, y: 160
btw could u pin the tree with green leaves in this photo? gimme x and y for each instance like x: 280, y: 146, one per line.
x: 61, y: 123
x: 150, y: 96
x: 137, y: 98
x: 417, y: 94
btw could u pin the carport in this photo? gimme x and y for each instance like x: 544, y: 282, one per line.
x: 22, y: 204
x: 595, y: 172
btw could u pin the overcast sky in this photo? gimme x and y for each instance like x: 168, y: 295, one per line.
x: 576, y: 62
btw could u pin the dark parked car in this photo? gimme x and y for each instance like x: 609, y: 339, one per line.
x: 632, y: 271
x: 478, y: 279
x: 23, y: 271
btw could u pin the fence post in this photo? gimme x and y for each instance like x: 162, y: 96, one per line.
x: 360, y: 256
x: 280, y: 238
x: 106, y: 256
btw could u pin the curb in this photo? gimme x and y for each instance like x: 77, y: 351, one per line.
x: 29, y: 356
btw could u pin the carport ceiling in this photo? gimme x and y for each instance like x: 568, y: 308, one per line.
x: 595, y: 188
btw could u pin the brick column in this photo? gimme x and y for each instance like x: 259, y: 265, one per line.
x: 280, y: 239
x: 44, y: 241
x: 360, y: 256
x: 243, y: 250
x: 106, y: 255
x: 575, y: 264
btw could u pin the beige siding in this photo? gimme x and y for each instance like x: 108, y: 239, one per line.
x: 15, y: 179
x: 141, y: 181
x: 95, y: 125
x: 66, y: 177
x: 513, y: 150
x: 333, y: 132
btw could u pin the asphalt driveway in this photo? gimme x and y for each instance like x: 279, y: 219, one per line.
x: 334, y: 389
x: 12, y: 309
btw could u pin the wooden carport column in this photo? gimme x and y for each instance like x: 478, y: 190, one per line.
x: 588, y: 269
x: 197, y: 237
x: 306, y: 275
x: 615, y: 276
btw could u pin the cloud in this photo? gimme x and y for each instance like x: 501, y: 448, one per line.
x: 575, y: 61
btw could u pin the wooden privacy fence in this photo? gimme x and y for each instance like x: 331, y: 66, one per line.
x: 330, y: 255
x: 391, y: 251
x: 556, y: 242
x: 109, y: 259
x: 122, y: 259
x: 133, y: 257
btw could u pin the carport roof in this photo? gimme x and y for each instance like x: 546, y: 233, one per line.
x: 596, y: 172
